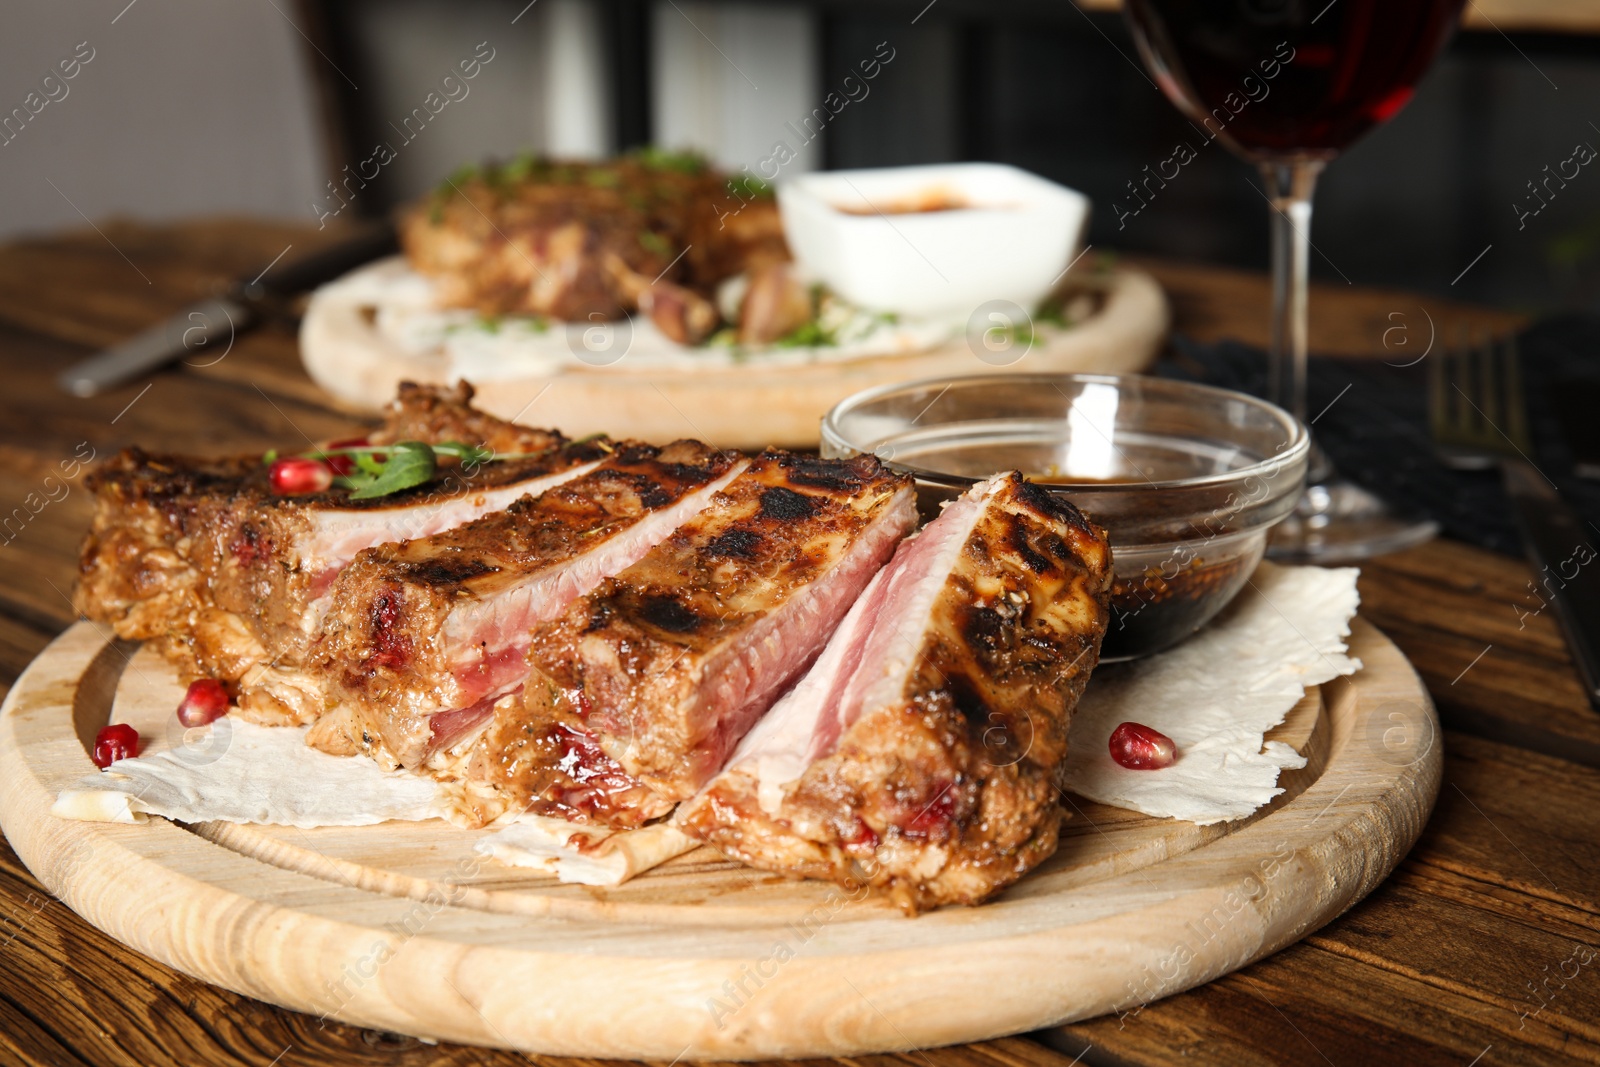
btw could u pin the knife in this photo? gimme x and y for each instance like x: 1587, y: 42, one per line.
x: 200, y: 328
x: 1566, y: 563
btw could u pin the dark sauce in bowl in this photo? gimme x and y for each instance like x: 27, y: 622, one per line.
x: 1151, y: 611
x: 1186, y: 479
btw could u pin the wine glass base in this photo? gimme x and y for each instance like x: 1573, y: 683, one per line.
x: 1339, y: 522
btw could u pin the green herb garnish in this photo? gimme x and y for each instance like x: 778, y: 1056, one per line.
x: 1052, y: 313
x: 810, y: 335
x: 684, y: 162
x: 408, y: 464
x: 749, y: 187
x: 520, y: 168
x: 381, y: 470
x: 460, y: 176
x: 654, y: 242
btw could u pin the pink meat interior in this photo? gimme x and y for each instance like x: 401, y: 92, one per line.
x: 770, y: 655
x: 487, y: 639
x: 868, y: 657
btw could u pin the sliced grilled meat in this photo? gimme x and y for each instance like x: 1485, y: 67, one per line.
x: 919, y: 754
x: 434, y: 414
x: 640, y: 691
x: 202, y: 556
x: 424, y: 635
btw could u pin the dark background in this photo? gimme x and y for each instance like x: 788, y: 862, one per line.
x: 1058, y: 90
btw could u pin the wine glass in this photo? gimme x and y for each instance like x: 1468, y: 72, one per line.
x: 1286, y: 85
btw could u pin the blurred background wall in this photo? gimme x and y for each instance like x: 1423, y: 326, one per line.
x: 186, y: 107
x: 254, y: 106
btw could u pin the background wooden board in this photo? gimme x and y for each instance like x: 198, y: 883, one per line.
x: 1139, y: 908
x: 749, y: 404
x: 1432, y: 968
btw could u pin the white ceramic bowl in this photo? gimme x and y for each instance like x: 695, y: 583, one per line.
x: 851, y: 229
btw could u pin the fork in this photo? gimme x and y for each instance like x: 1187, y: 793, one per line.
x: 1478, y: 420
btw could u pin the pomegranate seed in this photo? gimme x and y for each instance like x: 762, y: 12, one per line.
x: 1140, y: 748
x: 297, y: 476
x: 206, y: 701
x: 113, y: 743
x: 344, y: 464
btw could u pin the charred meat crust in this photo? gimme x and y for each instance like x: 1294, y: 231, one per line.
x: 438, y: 413
x: 653, y: 662
x: 177, y: 542
x: 386, y: 649
x: 947, y: 794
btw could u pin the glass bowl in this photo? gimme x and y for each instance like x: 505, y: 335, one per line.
x: 1187, y: 479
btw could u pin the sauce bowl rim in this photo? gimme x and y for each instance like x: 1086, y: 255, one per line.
x: 1297, y: 449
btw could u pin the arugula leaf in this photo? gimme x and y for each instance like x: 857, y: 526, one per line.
x: 520, y: 168
x: 469, y: 455
x: 379, y: 470
x: 687, y: 161
x: 654, y: 242
x: 368, y: 463
x: 809, y: 335
x: 410, y: 463
x: 749, y: 187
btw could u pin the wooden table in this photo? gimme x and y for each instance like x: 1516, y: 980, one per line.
x: 1482, y: 948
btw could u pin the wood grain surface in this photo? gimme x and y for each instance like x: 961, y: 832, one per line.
x: 743, y: 404
x: 1466, y: 952
x: 404, y: 926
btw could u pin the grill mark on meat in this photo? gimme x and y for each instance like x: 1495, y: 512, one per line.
x: 1054, y: 506
x: 667, y: 613
x: 174, y: 539
x: 735, y: 544
x: 671, y: 662
x: 786, y: 505
x: 446, y: 572
x: 937, y: 715
x: 1017, y: 539
x: 831, y: 476
x: 472, y: 595
x: 984, y: 628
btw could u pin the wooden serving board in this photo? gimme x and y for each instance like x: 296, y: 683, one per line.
x: 402, y: 927
x: 747, y: 405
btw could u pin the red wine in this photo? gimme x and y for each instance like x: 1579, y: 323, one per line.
x: 1280, y: 78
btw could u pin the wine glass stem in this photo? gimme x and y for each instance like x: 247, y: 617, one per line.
x: 1289, y: 189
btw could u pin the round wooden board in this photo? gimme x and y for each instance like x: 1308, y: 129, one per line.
x: 402, y: 927
x: 750, y: 404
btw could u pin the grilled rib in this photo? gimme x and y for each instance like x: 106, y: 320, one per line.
x: 202, y: 556
x: 426, y: 634
x: 571, y: 239
x: 918, y: 754
x: 639, y: 692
